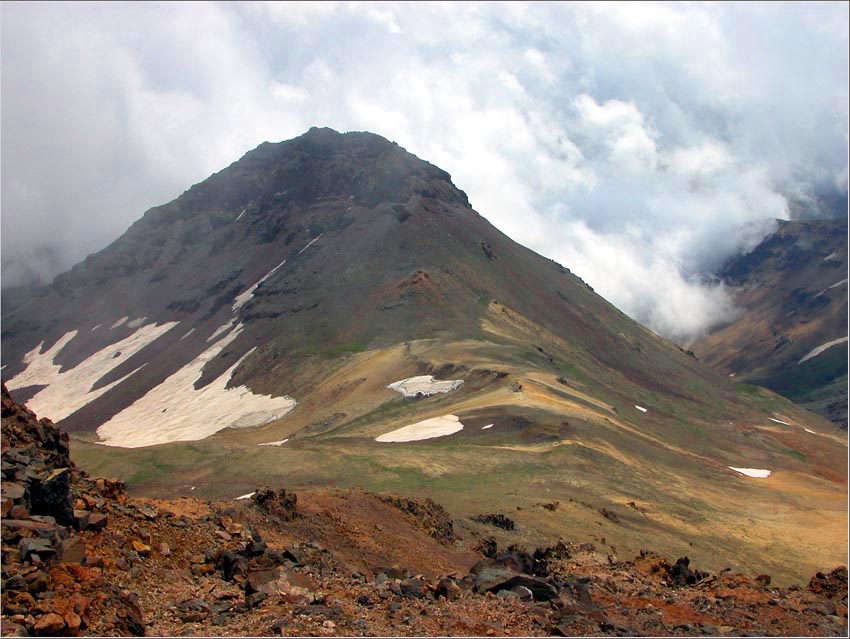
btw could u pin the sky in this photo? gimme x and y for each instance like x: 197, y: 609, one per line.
x: 639, y: 144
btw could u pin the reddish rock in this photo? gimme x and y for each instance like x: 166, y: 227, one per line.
x: 97, y: 521
x: 50, y: 624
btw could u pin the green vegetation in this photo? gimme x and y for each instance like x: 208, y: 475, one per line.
x: 795, y: 382
x: 796, y: 453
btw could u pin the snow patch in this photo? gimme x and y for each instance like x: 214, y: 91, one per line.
x: 640, y: 408
x: 752, y: 472
x: 136, y: 322
x: 487, y: 426
x: 68, y: 391
x: 189, y: 332
x: 185, y: 414
x: 779, y: 421
x: 277, y: 443
x: 820, y: 349
x: 831, y: 256
x: 221, y: 329
x: 424, y: 385
x: 426, y: 429
x: 239, y: 217
x: 810, y: 431
x: 243, y: 298
x: 95, y: 328
x: 839, y: 283
x: 310, y: 243
x: 119, y: 322
x: 246, y: 496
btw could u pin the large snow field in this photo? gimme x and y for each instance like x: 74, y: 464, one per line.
x: 70, y: 390
x: 426, y: 429
x: 424, y: 385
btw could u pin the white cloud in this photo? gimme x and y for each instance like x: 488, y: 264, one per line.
x: 637, y: 144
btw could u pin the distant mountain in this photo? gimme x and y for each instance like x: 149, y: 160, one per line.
x: 282, y: 322
x: 791, y: 335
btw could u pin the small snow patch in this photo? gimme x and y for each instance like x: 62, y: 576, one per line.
x: 424, y: 385
x: 277, y: 443
x: 820, y: 349
x: 310, y: 243
x: 239, y: 217
x: 243, y: 298
x: 426, y: 429
x: 487, y: 426
x: 95, y: 328
x: 136, y: 322
x: 190, y: 331
x: 247, y: 496
x: 758, y: 473
x: 810, y: 431
x: 831, y: 256
x: 844, y: 281
x: 119, y: 322
x: 779, y: 421
x: 221, y: 329
x: 640, y: 408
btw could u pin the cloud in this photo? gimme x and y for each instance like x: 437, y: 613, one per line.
x: 640, y: 145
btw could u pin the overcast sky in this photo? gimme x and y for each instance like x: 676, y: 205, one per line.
x: 638, y: 144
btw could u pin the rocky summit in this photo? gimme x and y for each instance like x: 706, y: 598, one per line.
x: 331, y: 312
x: 336, y: 563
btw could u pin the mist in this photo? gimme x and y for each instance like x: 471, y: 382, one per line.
x: 641, y: 145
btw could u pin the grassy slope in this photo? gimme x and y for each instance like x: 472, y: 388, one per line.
x: 582, y: 444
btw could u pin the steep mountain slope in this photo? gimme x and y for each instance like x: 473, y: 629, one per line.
x: 288, y: 291
x: 792, y: 333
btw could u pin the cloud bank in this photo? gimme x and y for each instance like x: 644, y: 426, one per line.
x: 638, y: 144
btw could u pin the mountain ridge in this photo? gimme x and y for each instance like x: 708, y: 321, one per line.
x: 252, y: 331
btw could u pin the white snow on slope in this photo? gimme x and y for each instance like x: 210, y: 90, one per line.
x: 189, y: 332
x: 640, y: 408
x: 310, y: 243
x: 820, y: 349
x: 243, y: 298
x: 424, y: 385
x: 758, y: 473
x: 831, y: 256
x: 239, y: 217
x: 136, y: 322
x: 810, y: 431
x: 175, y: 411
x: 778, y: 421
x: 70, y: 390
x: 839, y: 283
x: 487, y: 426
x: 221, y: 329
x: 119, y: 322
x: 246, y: 496
x: 95, y: 328
x: 277, y: 443
x: 427, y: 429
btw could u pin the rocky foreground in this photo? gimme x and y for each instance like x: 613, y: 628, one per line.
x: 82, y: 558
